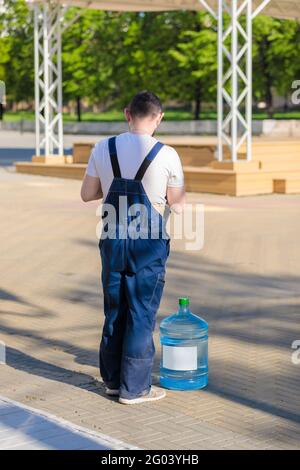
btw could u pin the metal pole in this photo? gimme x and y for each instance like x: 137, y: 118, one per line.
x: 260, y: 8
x: 36, y: 79
x: 59, y: 88
x: 220, y: 80
x: 249, y: 78
x: 239, y: 56
x: 51, y: 96
x: 208, y: 8
x: 234, y: 81
x: 46, y: 76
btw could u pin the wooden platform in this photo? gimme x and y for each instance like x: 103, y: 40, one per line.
x: 192, y: 151
x: 69, y: 170
x: 275, y: 166
x: 288, y: 185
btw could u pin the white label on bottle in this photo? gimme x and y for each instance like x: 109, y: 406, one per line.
x: 179, y: 358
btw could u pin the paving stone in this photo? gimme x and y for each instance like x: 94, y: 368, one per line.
x: 245, y: 282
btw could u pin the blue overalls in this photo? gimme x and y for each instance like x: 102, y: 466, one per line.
x: 133, y: 272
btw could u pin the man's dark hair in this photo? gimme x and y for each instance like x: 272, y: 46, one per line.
x: 145, y: 103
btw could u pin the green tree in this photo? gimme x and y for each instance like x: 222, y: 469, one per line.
x: 16, y: 51
x: 196, y: 56
x: 284, y: 52
x: 265, y: 63
x: 108, y: 56
x: 85, y: 73
x: 146, y: 61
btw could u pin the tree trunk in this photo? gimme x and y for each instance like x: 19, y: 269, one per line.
x: 268, y: 78
x: 269, y: 95
x: 78, y: 108
x: 197, y: 100
x: 198, y: 87
x: 1, y: 111
x: 286, y: 103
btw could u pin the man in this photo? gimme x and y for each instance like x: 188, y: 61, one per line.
x: 134, y: 167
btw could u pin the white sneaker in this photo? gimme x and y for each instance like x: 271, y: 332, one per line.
x: 112, y: 392
x: 154, y: 395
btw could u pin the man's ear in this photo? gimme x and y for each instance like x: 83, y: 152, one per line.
x: 127, y: 114
x: 160, y: 118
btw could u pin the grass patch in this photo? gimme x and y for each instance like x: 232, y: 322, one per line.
x: 117, y: 116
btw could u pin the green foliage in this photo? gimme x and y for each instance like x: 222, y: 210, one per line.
x: 108, y: 56
x: 276, y: 51
x: 196, y: 56
x: 16, y: 51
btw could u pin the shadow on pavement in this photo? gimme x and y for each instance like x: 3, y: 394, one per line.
x: 247, y: 308
x: 26, y: 363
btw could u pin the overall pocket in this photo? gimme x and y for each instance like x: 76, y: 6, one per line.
x: 158, y: 291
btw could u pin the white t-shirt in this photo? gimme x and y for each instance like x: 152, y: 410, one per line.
x: 164, y: 171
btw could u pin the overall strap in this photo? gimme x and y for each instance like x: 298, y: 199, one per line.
x: 147, y: 161
x: 113, y: 157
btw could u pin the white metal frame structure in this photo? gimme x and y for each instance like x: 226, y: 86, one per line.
x: 48, y: 77
x: 234, y: 73
x: 234, y: 19
x: 239, y: 93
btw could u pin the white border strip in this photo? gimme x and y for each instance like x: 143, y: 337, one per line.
x: 113, y: 444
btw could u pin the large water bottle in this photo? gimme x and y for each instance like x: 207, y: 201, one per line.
x: 184, y: 350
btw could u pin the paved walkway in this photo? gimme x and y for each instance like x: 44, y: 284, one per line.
x: 25, y: 428
x: 245, y: 282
